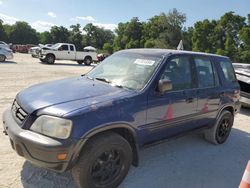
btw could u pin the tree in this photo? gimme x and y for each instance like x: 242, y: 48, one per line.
x: 22, y: 33
x: 45, y: 38
x: 3, y: 35
x: 204, y: 37
x: 96, y: 36
x: 129, y: 35
x: 230, y: 25
x: 59, y: 34
x: 187, y: 38
x: 244, y: 36
x: 164, y: 30
x: 75, y: 36
x: 108, y: 48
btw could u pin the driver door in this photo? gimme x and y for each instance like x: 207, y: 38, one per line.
x: 173, y: 112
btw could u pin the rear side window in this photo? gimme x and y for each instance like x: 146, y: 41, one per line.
x: 71, y: 48
x: 205, y: 73
x: 228, y: 71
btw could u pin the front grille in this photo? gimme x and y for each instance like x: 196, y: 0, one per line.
x: 18, y: 113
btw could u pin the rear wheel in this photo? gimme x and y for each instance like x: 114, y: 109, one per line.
x: 87, y: 60
x: 2, y: 58
x: 219, y: 133
x: 50, y: 59
x: 104, y: 162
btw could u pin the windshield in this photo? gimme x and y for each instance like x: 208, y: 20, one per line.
x: 127, y: 70
x: 55, y: 45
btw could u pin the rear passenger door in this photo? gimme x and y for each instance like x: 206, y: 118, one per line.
x: 208, y: 92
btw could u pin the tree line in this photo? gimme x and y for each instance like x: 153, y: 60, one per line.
x: 229, y: 35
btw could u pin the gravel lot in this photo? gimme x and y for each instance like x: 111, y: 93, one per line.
x: 187, y: 162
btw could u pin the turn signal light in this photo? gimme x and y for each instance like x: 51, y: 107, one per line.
x: 61, y: 156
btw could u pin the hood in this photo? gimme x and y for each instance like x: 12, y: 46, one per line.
x: 70, y: 94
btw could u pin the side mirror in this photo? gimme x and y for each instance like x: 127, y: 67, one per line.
x: 164, y: 85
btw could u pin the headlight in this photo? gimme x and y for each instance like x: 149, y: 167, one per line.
x: 52, y: 126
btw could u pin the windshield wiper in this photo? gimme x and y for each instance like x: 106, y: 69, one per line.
x: 121, y: 86
x: 103, y: 80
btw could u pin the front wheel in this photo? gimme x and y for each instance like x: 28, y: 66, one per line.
x: 219, y: 133
x: 50, y: 59
x: 104, y: 162
x: 2, y: 58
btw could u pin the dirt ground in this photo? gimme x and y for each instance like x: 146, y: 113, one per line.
x: 187, y: 162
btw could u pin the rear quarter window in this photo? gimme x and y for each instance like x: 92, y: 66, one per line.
x: 227, y: 70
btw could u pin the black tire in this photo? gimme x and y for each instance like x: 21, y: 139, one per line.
x: 80, y: 62
x: 104, y: 162
x: 87, y: 61
x: 219, y: 133
x: 2, y: 58
x: 50, y: 59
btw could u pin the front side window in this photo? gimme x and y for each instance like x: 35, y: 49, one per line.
x: 178, y: 71
x: 65, y: 47
x: 204, y: 72
x: 71, y: 48
x: 126, y: 69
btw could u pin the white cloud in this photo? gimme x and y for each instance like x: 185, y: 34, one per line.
x: 52, y: 14
x: 111, y: 27
x: 8, y: 19
x: 85, y: 18
x: 1, y: 2
x: 42, y: 25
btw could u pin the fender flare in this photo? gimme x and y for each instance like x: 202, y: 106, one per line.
x: 80, y: 145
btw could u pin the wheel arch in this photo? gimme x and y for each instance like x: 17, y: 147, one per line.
x: 229, y: 108
x: 123, y: 130
x: 88, y: 56
x: 51, y: 55
x: 4, y: 56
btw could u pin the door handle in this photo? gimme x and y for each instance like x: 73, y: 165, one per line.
x: 189, y: 100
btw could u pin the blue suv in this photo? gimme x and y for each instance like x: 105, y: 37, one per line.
x: 94, y: 124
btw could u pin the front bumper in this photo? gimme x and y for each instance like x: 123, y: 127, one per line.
x: 9, y: 56
x: 39, y: 149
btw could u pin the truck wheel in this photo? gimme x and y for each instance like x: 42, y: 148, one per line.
x: 2, y: 58
x: 104, y: 162
x: 87, y: 60
x: 219, y: 133
x: 50, y: 59
x: 80, y: 62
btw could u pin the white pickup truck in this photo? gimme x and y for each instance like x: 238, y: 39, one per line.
x: 65, y: 51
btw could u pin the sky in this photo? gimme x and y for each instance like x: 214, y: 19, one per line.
x: 43, y: 14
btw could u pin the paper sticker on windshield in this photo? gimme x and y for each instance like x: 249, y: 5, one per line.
x: 144, y: 62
